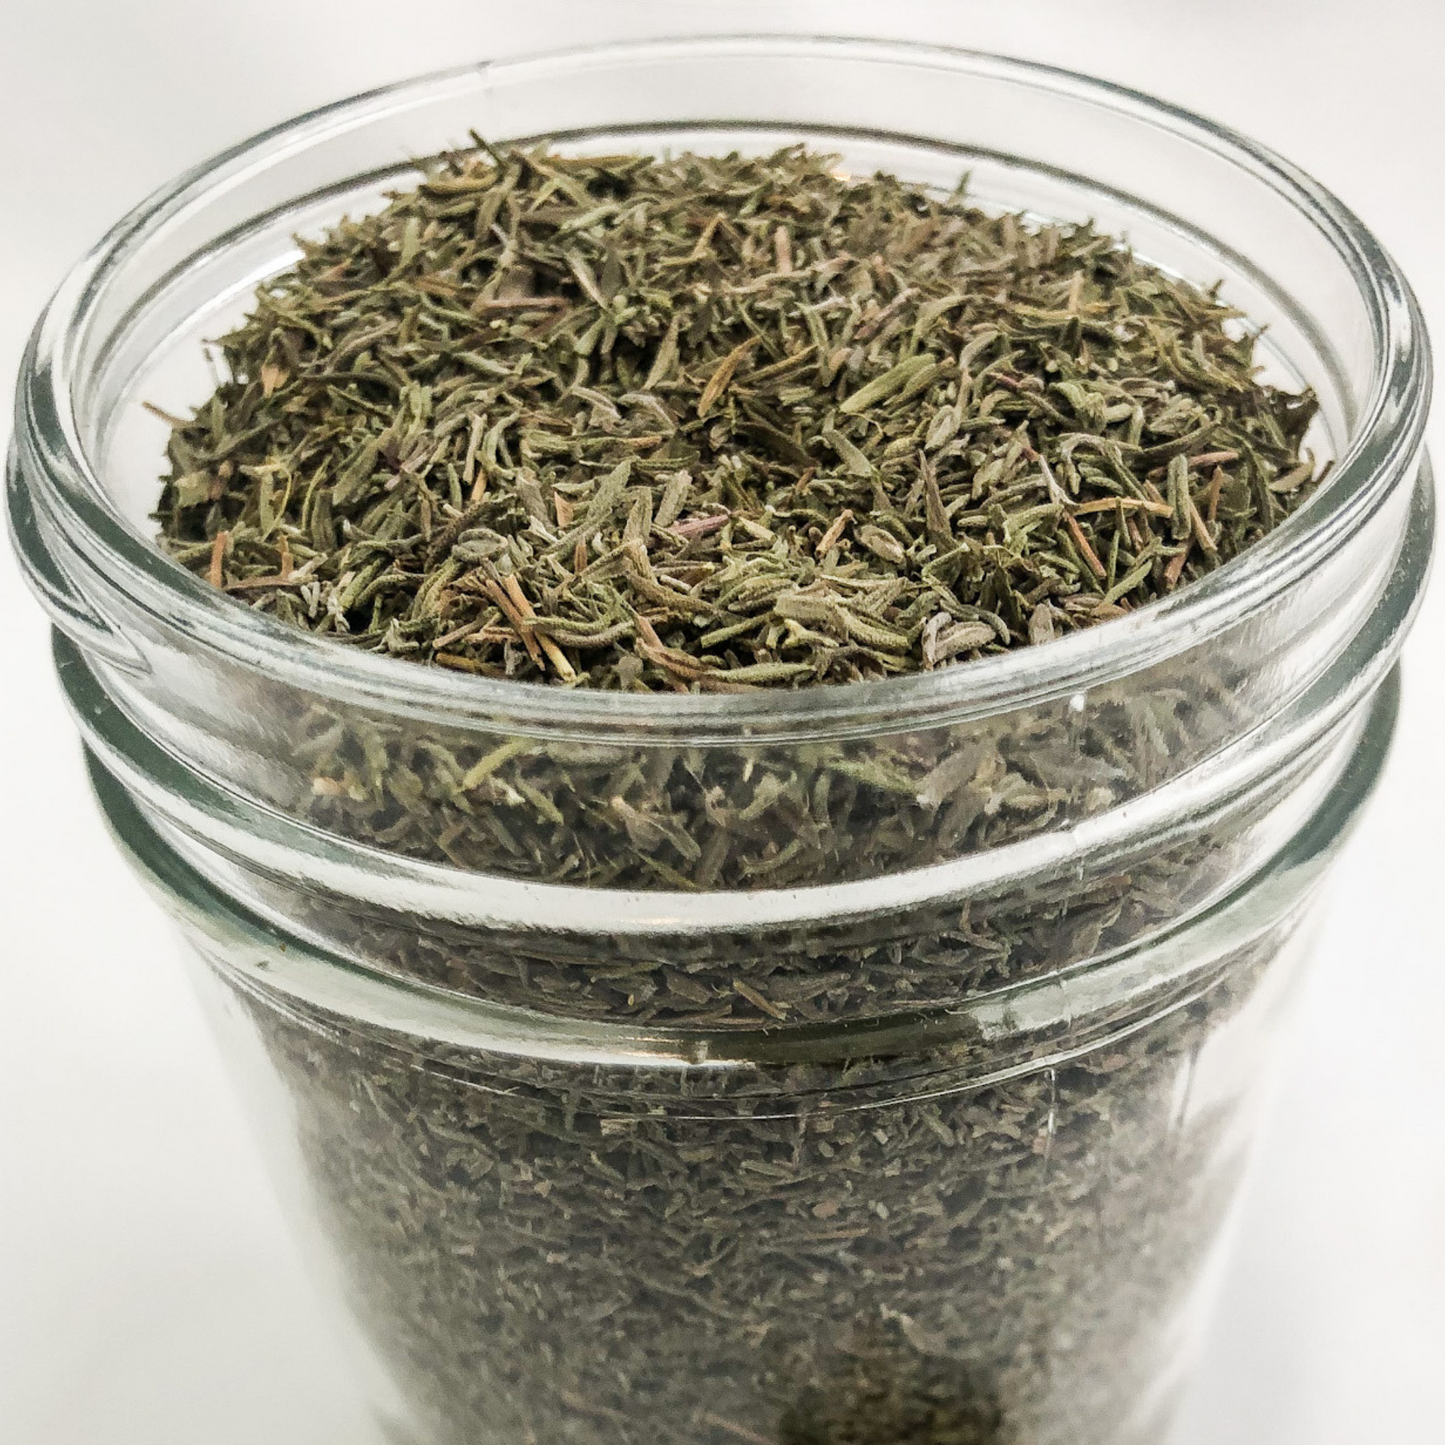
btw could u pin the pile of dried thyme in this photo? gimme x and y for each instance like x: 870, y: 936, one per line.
x: 720, y: 422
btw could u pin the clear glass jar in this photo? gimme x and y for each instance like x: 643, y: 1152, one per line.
x: 903, y: 1103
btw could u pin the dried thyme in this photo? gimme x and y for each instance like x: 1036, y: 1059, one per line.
x: 714, y: 423
x: 824, y: 1257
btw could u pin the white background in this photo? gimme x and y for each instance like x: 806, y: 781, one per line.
x: 149, y: 1294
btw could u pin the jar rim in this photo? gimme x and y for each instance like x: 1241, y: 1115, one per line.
x: 1383, y: 446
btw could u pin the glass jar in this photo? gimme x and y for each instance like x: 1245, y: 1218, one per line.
x: 901, y: 1099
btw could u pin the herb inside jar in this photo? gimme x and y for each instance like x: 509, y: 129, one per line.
x: 721, y: 423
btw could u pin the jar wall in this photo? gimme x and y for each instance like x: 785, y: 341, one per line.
x: 790, y: 1253
x: 991, y: 1224
x: 1020, y: 1260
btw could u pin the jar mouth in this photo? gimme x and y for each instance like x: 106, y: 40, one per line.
x: 1383, y: 444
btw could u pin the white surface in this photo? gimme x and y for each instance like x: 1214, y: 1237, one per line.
x: 148, y: 1291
